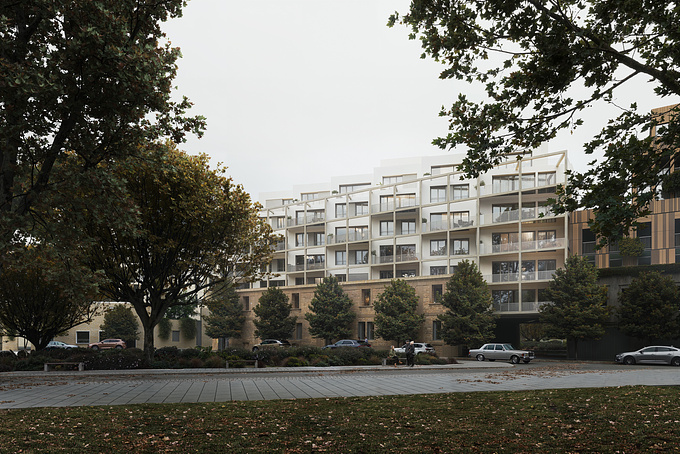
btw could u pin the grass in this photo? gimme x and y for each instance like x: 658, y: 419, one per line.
x: 602, y: 420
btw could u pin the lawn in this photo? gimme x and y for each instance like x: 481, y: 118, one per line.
x: 609, y: 420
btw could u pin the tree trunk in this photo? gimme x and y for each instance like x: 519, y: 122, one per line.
x: 148, y: 343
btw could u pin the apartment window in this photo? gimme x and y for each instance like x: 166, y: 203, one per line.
x: 528, y: 210
x: 460, y: 191
x: 528, y: 181
x: 460, y: 219
x: 361, y: 208
x: 677, y: 241
x: 547, y: 179
x: 406, y: 200
x: 547, y: 239
x: 299, y: 281
x: 300, y: 217
x: 544, y: 209
x: 505, y: 300
x: 453, y: 269
x: 341, y: 257
x: 438, y: 194
x: 386, y: 254
x: 386, y: 202
x: 437, y: 270
x: 366, y: 296
x: 246, y: 303
x: 315, y: 261
x: 386, y: 275
x: 439, y: 221
x: 386, y: 228
x: 295, y: 300
x: 340, y: 210
x: 546, y: 269
x: 436, y: 330
x: 299, y: 240
x: 344, y: 188
x: 316, y: 215
x: 309, y: 196
x: 278, y: 222
x: 82, y: 337
x: 394, y: 179
x: 175, y: 335
x: 406, y: 273
x: 615, y: 258
x: 406, y: 252
x: 340, y: 234
x: 360, y: 257
x: 319, y: 239
x: 460, y: 246
x: 505, y: 183
x: 408, y: 227
x: 100, y: 335
x: 644, y: 234
x: 365, y: 330
x: 528, y: 299
x: 298, y: 331
x: 437, y: 247
x: 341, y: 277
x: 505, y: 212
x: 588, y: 241
x: 437, y: 292
x: 506, y: 271
x: 358, y: 233
x: 438, y: 170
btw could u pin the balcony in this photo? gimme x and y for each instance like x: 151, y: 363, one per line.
x: 307, y: 219
x: 524, y: 246
x: 514, y: 277
x: 394, y: 258
x: 524, y: 306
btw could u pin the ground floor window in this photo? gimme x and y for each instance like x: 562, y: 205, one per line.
x: 436, y: 329
x: 365, y: 330
x: 175, y: 335
x: 82, y: 337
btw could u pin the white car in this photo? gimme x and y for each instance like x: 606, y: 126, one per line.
x: 420, y: 347
x: 57, y: 344
x: 506, y: 352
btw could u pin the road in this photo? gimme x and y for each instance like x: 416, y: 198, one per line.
x: 57, y: 389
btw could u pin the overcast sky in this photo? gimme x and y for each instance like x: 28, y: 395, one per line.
x: 298, y: 91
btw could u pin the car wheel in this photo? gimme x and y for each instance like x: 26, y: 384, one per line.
x: 255, y: 349
x: 514, y: 359
x: 526, y: 361
x: 95, y: 347
x: 480, y: 357
x: 675, y: 361
x: 629, y: 360
x: 491, y: 360
x: 119, y: 347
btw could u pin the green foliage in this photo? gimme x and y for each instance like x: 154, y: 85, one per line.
x: 188, y: 327
x: 36, y: 303
x: 164, y: 328
x: 631, y: 247
x: 226, y: 318
x: 578, y: 308
x: 120, y: 323
x: 469, y: 319
x: 395, y: 312
x: 195, y: 228
x: 542, y: 66
x: 670, y: 184
x: 273, y: 315
x: 648, y: 308
x: 330, y: 312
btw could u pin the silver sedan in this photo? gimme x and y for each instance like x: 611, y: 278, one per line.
x: 655, y: 354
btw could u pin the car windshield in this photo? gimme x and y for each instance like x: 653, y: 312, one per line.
x: 508, y: 347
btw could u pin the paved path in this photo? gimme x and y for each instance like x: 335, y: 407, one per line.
x: 59, y: 389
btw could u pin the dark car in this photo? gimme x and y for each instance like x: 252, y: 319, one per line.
x: 655, y: 354
x: 271, y: 343
x: 108, y: 343
x: 348, y: 343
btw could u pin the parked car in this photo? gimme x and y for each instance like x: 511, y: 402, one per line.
x: 348, y: 343
x: 420, y: 347
x: 57, y: 344
x: 655, y: 354
x: 271, y: 343
x: 108, y: 343
x: 506, y: 352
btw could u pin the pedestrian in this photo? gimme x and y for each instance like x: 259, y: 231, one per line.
x: 410, y: 354
x: 393, y: 356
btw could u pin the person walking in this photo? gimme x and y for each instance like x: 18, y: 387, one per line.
x: 393, y: 356
x: 410, y: 354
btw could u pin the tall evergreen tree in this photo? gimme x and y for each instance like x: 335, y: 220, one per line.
x: 330, y: 312
x: 649, y: 308
x: 226, y: 317
x: 395, y: 312
x: 273, y: 315
x: 578, y: 305
x: 469, y: 319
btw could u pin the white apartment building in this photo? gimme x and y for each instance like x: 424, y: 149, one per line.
x: 416, y: 219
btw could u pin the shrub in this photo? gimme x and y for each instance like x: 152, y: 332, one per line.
x: 214, y: 362
x: 131, y: 358
x: 294, y: 361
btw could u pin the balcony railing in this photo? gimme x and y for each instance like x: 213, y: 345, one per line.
x: 524, y: 306
x: 394, y: 258
x: 526, y: 276
x: 557, y: 243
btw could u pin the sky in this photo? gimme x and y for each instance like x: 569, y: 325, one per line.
x: 299, y: 91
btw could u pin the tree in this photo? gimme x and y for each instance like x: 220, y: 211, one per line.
x: 226, y: 317
x: 395, y: 312
x: 120, y: 323
x: 539, y: 65
x: 469, y: 319
x: 81, y: 78
x: 273, y: 315
x: 195, y: 231
x: 330, y: 313
x: 649, y: 308
x: 578, y: 305
x: 38, y: 300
